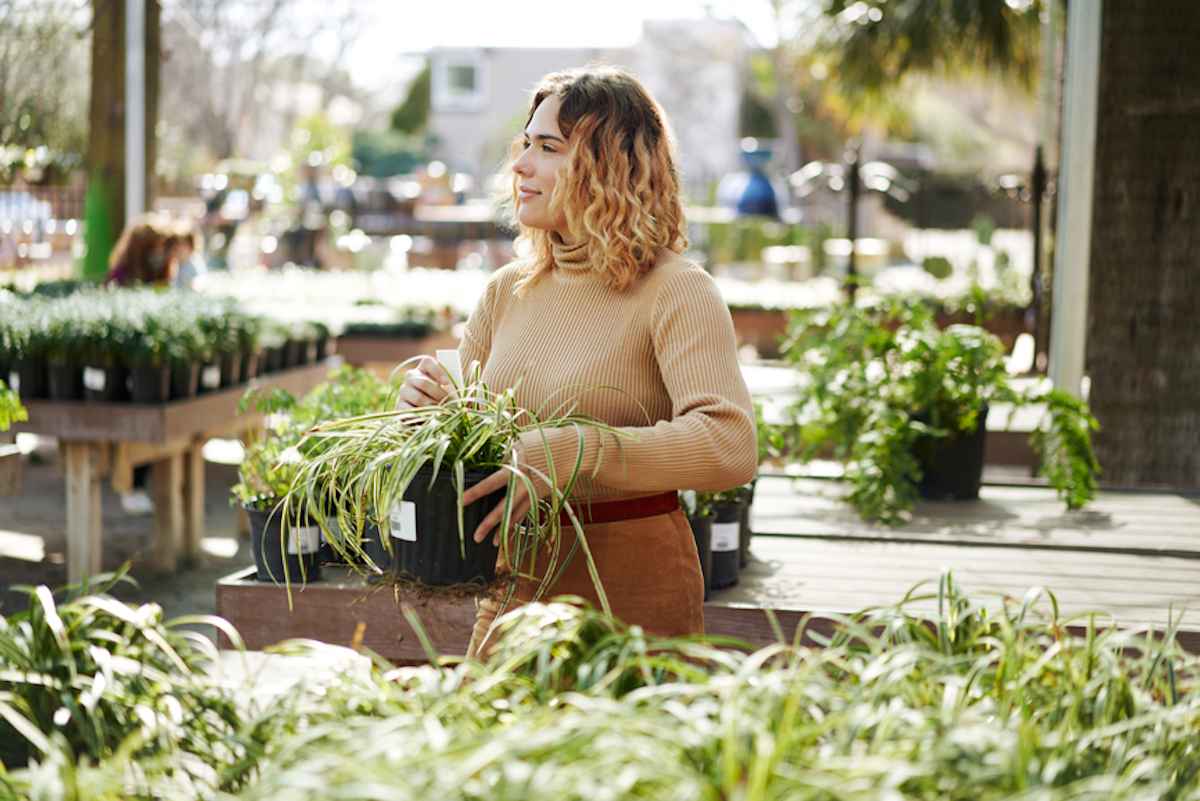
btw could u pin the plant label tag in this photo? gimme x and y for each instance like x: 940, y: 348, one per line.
x: 14, y: 382
x: 453, y: 364
x: 403, y: 519
x: 210, y: 377
x: 94, y: 379
x: 304, y: 539
x: 724, y: 537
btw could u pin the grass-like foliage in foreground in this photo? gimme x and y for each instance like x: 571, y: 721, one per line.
x: 975, y: 703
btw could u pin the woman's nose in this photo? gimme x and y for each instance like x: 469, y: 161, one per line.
x: 521, y: 165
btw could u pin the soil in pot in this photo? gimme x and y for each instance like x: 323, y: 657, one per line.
x: 28, y: 378
x: 185, y: 380
x: 150, y: 384
x: 64, y: 382
x: 424, y: 532
x: 105, y: 384
x: 725, y: 552
x: 702, y: 532
x: 231, y: 368
x: 296, y: 562
x: 952, y: 466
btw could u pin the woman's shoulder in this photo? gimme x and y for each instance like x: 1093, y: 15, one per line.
x: 673, y: 272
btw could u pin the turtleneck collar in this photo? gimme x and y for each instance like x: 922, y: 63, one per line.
x: 570, y: 257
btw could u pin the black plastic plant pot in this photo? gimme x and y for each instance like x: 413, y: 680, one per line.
x: 231, y: 368
x: 105, y: 384
x: 324, y: 348
x: 185, y: 380
x: 150, y: 383
x: 249, y: 368
x: 64, y: 382
x: 371, y: 544
x: 726, y: 523
x: 424, y: 532
x: 952, y: 466
x: 702, y: 533
x: 274, y: 360
x: 745, y: 534
x: 294, y: 562
x: 30, y: 378
x: 293, y: 352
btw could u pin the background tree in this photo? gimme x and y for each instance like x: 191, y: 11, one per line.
x: 43, y: 104
x: 412, y: 115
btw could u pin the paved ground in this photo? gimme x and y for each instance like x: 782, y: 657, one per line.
x: 32, y: 541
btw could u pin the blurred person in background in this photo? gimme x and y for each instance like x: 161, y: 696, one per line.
x: 141, y: 254
x: 183, y: 255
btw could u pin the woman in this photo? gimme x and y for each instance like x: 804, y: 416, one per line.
x: 140, y: 255
x: 606, y: 300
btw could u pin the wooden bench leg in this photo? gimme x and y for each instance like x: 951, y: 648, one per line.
x: 167, y: 476
x: 193, y: 501
x: 85, y: 527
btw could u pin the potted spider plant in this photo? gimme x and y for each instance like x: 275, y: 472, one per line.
x: 903, y: 404
x: 347, y: 392
x: 284, y: 540
x: 411, y: 468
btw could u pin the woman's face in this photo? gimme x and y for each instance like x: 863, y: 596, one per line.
x: 537, y: 168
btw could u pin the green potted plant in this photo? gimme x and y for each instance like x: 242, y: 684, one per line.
x: 903, y: 404
x: 284, y: 540
x: 68, y: 342
x: 347, y: 392
x: 412, y: 467
x: 147, y: 355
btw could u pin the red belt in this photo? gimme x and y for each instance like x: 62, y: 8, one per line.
x: 611, y: 511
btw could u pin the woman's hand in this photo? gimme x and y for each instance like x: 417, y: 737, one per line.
x: 425, y: 384
x: 520, y: 501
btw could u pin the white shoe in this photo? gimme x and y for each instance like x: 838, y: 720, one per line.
x: 137, y: 503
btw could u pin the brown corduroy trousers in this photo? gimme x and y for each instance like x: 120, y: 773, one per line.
x: 649, y: 570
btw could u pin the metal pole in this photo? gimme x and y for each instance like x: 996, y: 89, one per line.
x: 1076, y: 182
x: 135, y: 108
x: 852, y: 224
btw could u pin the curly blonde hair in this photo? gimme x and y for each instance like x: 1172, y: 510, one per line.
x: 620, y: 186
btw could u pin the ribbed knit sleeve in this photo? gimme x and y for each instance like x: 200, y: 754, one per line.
x: 709, y: 442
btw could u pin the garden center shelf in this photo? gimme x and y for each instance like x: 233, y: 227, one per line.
x: 382, y: 353
x: 100, y: 440
x: 1131, y: 557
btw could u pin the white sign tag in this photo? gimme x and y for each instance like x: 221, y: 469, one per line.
x: 451, y: 361
x: 14, y: 382
x: 403, y: 520
x: 210, y: 377
x: 304, y: 539
x: 724, y: 537
x: 95, y: 379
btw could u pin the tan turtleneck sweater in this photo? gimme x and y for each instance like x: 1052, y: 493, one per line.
x: 657, y: 360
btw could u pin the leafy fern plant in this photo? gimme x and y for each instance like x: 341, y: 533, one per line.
x: 877, y: 379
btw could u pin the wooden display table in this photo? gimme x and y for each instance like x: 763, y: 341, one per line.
x: 1132, y: 557
x: 109, y: 439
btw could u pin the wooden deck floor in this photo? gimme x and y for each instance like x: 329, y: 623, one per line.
x: 1132, y: 556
